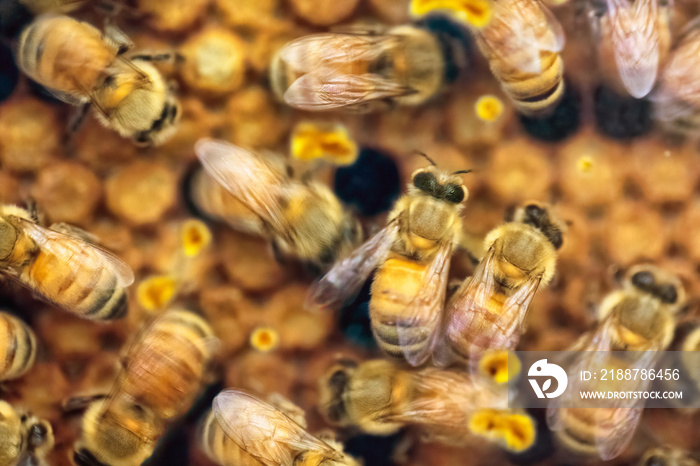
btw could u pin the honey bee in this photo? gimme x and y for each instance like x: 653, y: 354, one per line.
x: 64, y: 269
x: 24, y: 439
x: 413, y: 254
x: 17, y: 347
x: 488, y: 310
x: 667, y: 456
x: 302, y: 218
x: 247, y: 431
x: 361, y: 70
x: 522, y: 43
x: 162, y: 373
x: 638, y: 320
x: 633, y: 38
x: 82, y: 67
x: 676, y: 102
x: 211, y: 199
x: 379, y: 398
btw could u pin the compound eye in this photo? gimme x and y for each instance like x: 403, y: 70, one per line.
x: 454, y: 193
x: 425, y: 182
x: 534, y: 211
x: 643, y: 280
x: 668, y: 294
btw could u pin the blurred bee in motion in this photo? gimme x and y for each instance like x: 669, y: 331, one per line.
x: 303, y: 219
x: 667, y: 456
x: 683, y: 354
x: 63, y: 269
x: 24, y: 439
x: 638, y: 320
x: 81, y: 66
x: 379, y: 398
x: 633, y: 39
x: 522, y: 44
x: 17, y: 347
x: 245, y: 431
x: 366, y: 70
x: 677, y: 97
x: 413, y: 254
x: 488, y: 310
x: 163, y: 371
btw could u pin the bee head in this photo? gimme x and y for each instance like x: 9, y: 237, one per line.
x: 538, y: 216
x: 333, y: 387
x: 162, y: 127
x: 440, y: 185
x: 653, y: 281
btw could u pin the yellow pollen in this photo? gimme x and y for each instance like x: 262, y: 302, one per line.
x: 489, y: 108
x: 499, y: 366
x: 264, y: 339
x: 195, y: 237
x: 311, y: 141
x: 585, y: 164
x: 514, y: 432
x: 155, y: 293
x: 477, y: 13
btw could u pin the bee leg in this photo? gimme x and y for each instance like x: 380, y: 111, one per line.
x: 278, y: 254
x: 76, y: 120
x: 117, y: 37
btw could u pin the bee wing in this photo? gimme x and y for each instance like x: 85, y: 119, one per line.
x: 635, y: 39
x: 81, y: 256
x: 425, y: 310
x: 346, y: 277
x: 469, y: 299
x: 515, y: 310
x: 333, y: 49
x: 326, y: 89
x: 551, y: 37
x: 262, y: 430
x: 250, y: 178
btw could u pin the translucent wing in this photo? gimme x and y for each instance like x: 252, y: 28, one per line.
x: 425, y: 310
x: 325, y: 89
x: 616, y: 422
x: 254, y: 181
x: 346, y: 277
x: 333, y: 51
x: 635, y: 40
x: 81, y: 256
x: 264, y: 431
x: 462, y: 314
x: 515, y: 310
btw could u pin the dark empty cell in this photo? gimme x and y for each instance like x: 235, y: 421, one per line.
x: 373, y: 450
x: 621, y: 116
x: 371, y: 184
x: 173, y: 449
x: 354, y: 319
x: 561, y: 123
x: 455, y: 43
x: 13, y: 18
x: 9, y: 74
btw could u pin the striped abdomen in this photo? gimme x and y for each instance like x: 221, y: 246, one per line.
x: 395, y: 286
x: 220, y: 448
x: 165, y: 367
x: 17, y: 347
x: 534, y: 93
x: 580, y: 427
x: 64, y: 54
x: 95, y: 296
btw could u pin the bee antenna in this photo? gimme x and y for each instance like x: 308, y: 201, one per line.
x: 459, y: 172
x: 432, y: 162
